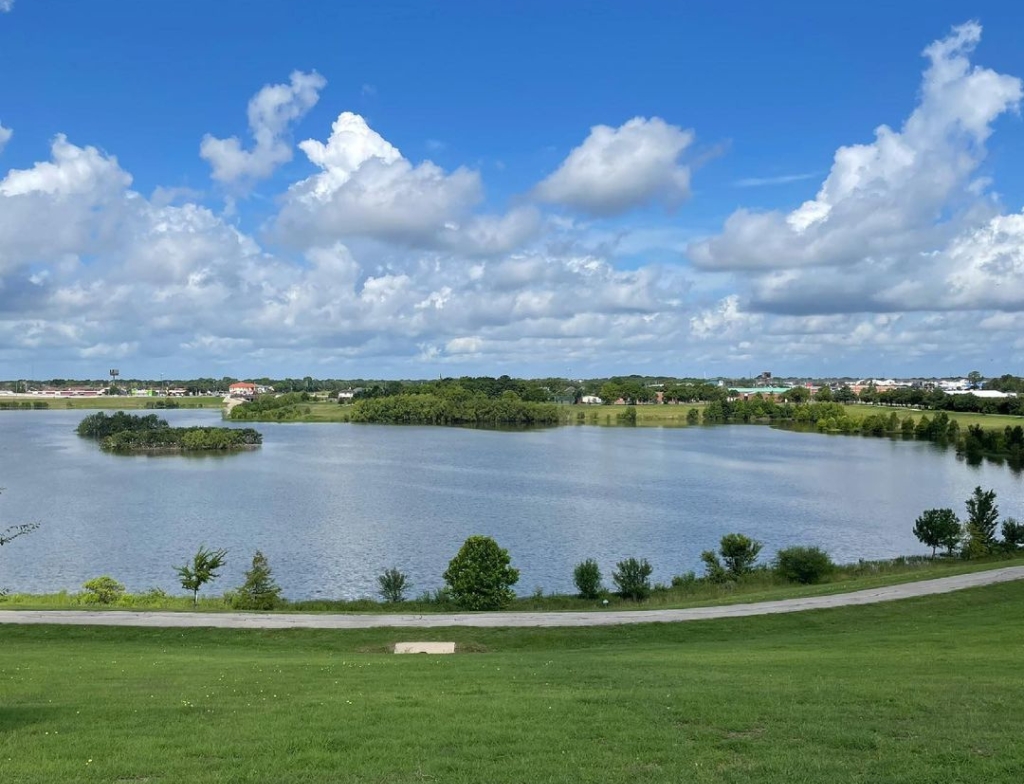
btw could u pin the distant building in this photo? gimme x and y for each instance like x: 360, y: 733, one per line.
x: 745, y: 393
x: 591, y: 400
x: 985, y: 393
x: 242, y: 389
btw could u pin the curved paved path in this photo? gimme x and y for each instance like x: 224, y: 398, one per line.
x: 506, y: 619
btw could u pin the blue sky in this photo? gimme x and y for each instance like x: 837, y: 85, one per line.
x: 522, y: 188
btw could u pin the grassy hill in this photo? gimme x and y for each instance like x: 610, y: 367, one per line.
x: 922, y: 690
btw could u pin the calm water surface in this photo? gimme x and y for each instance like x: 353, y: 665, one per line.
x: 332, y: 505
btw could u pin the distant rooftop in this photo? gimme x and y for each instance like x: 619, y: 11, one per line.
x: 762, y: 390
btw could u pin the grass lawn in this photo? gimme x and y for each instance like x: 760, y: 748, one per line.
x: 987, y: 421
x: 651, y: 415
x: 926, y: 690
x: 120, y: 403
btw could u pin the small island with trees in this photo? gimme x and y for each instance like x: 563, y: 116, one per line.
x: 134, y: 433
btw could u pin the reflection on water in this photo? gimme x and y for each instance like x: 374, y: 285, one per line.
x: 332, y: 505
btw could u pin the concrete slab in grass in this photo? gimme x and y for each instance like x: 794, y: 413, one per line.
x: 424, y: 647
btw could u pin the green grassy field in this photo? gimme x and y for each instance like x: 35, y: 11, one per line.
x: 675, y: 415
x: 988, y: 421
x: 926, y: 690
x: 121, y: 403
x: 646, y: 415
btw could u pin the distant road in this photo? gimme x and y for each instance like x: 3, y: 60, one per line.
x: 506, y: 619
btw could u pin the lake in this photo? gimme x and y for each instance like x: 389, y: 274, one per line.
x: 332, y: 505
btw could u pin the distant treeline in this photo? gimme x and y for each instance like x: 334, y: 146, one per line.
x: 121, y: 432
x: 455, y: 408
x: 938, y: 400
x: 451, y: 405
x: 631, y: 389
x: 973, y: 442
x: 544, y: 390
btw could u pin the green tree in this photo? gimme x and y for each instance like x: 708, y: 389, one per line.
x: 202, y: 570
x: 796, y: 395
x: 805, y: 565
x: 939, y: 528
x: 480, y: 576
x: 633, y: 578
x: 824, y: 395
x: 392, y: 585
x: 103, y: 590
x: 587, y: 577
x: 610, y: 392
x: 713, y: 569
x: 982, y: 516
x: 259, y: 591
x: 1013, y: 534
x: 975, y: 378
x: 693, y: 417
x: 844, y: 395
x: 739, y: 553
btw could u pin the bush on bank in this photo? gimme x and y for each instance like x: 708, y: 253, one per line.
x: 481, y: 577
x: 686, y: 589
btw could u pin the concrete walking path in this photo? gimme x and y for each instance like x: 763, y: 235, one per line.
x: 507, y: 619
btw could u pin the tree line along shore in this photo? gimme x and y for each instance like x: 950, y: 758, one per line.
x: 973, y: 436
x: 972, y: 427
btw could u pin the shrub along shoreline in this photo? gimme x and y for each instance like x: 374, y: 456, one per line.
x: 685, y: 590
x: 481, y: 575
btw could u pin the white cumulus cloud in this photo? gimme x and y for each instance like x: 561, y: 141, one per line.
x: 89, y: 268
x: 5, y: 136
x: 903, y: 258
x: 365, y: 187
x: 618, y: 169
x: 986, y: 267
x: 71, y: 204
x: 891, y: 197
x: 271, y: 113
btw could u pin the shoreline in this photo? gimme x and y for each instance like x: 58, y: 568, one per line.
x: 238, y: 620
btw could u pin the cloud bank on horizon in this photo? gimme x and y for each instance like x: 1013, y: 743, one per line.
x: 375, y: 264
